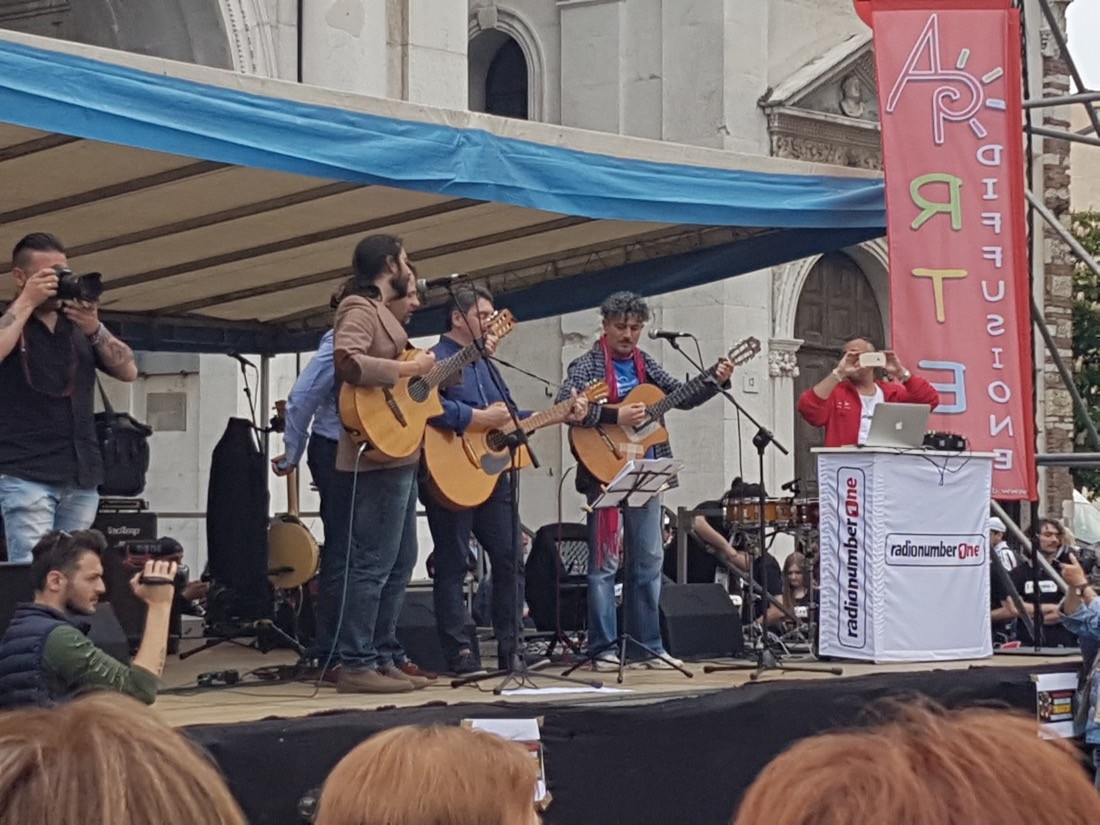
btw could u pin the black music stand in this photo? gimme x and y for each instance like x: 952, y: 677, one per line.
x: 633, y: 487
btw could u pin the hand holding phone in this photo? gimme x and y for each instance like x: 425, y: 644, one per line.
x: 872, y: 359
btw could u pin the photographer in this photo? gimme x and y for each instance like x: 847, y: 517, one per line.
x: 51, y: 343
x: 45, y: 654
x: 844, y: 400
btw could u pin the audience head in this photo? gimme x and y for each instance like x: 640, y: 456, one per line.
x: 67, y: 570
x: 104, y: 758
x: 1052, y: 535
x: 997, y: 530
x: 431, y: 776
x: 925, y: 767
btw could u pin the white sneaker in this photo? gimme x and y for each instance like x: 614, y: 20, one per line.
x: 605, y: 662
x: 663, y: 662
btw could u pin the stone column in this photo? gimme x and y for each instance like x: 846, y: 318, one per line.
x: 1058, y: 262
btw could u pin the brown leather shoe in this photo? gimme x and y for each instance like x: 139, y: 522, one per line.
x: 370, y: 681
x: 395, y: 672
x: 413, y: 669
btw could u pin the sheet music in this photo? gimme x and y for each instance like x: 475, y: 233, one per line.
x: 638, y: 482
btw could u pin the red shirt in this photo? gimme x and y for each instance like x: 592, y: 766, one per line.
x: 840, y: 413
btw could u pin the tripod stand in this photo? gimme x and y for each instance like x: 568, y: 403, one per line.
x: 517, y: 674
x: 633, y: 488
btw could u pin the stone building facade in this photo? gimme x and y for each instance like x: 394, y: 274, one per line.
x: 785, y: 78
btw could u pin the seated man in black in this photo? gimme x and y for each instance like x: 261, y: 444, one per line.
x: 710, y: 551
x: 45, y: 654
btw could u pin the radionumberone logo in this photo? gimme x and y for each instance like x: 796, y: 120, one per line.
x: 852, y: 567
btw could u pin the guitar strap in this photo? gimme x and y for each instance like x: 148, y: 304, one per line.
x: 608, y: 522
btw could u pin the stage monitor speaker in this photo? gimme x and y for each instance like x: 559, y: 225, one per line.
x: 700, y: 621
x: 417, y: 634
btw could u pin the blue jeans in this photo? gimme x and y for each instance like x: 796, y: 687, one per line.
x: 641, y: 587
x: 31, y: 509
x: 377, y: 567
x: 335, y: 516
x: 491, y: 523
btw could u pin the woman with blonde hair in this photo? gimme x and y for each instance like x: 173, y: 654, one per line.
x: 104, y: 759
x: 431, y: 776
x: 927, y: 766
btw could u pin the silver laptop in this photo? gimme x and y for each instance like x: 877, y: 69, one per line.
x: 901, y: 426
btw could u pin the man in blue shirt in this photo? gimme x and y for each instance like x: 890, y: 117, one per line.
x: 482, y: 399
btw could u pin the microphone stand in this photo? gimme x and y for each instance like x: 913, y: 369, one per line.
x: 765, y: 658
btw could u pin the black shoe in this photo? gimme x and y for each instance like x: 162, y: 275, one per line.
x: 465, y: 664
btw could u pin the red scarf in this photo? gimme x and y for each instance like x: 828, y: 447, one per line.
x: 608, y: 525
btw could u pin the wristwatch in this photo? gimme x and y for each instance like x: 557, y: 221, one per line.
x: 837, y: 376
x: 1080, y: 590
x: 905, y: 376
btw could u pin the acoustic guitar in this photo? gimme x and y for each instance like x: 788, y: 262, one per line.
x: 464, y: 469
x: 606, y: 448
x: 292, y: 554
x: 392, y: 419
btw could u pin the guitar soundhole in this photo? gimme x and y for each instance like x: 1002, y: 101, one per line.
x: 496, y: 441
x: 418, y: 390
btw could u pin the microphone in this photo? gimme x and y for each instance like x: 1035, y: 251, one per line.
x: 668, y: 335
x: 791, y: 485
x: 445, y: 280
x: 244, y: 362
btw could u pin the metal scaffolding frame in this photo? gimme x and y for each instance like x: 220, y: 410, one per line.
x: 1090, y: 136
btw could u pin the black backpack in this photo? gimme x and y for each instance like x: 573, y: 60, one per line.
x: 124, y: 443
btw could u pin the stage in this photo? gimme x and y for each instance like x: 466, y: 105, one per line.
x: 667, y: 749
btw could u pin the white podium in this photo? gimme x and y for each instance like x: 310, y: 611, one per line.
x: 904, y: 554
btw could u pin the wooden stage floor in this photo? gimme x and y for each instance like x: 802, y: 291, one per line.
x: 258, y: 700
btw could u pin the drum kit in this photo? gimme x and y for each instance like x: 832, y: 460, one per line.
x: 795, y: 516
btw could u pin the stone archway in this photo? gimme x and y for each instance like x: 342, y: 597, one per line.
x: 491, y: 27
x: 837, y: 303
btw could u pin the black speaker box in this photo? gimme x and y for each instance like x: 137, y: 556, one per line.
x: 417, y: 634
x: 700, y: 621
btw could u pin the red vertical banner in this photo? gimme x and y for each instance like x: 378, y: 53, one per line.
x: 949, y: 82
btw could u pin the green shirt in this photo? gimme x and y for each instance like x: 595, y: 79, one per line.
x: 71, y: 662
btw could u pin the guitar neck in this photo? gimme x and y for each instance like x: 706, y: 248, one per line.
x: 674, y: 399
x: 448, y: 367
x: 545, y: 418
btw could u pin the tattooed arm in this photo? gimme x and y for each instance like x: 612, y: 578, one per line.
x: 116, y: 357
x: 38, y: 289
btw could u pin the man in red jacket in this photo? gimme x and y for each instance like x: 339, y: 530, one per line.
x: 843, y: 401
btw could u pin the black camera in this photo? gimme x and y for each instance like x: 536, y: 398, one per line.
x: 72, y: 287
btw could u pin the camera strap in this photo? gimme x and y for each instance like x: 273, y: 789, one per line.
x: 25, y: 360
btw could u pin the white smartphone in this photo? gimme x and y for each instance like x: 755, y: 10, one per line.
x: 872, y: 359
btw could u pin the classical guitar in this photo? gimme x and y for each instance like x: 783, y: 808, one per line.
x: 606, y: 448
x: 464, y: 468
x: 392, y: 419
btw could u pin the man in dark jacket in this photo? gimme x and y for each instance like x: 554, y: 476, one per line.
x: 45, y: 654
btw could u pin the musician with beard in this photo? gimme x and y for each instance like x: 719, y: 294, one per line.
x: 367, y: 342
